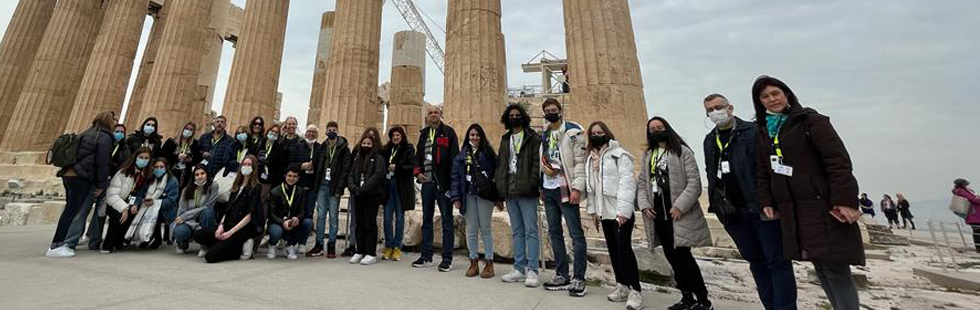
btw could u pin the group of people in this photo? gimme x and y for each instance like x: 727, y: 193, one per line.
x: 782, y: 186
x: 891, y: 208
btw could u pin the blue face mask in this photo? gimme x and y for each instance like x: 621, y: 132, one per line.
x: 272, y: 137
x: 118, y: 135
x: 159, y: 172
x: 332, y: 135
x: 149, y: 129
x: 141, y: 163
x: 241, y: 137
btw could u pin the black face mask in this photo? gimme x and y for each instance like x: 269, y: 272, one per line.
x: 598, y: 141
x: 659, y: 136
x: 516, y: 122
x: 552, y: 117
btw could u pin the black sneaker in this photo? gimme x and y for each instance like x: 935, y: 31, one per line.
x: 703, y: 305
x: 349, y: 251
x: 558, y: 283
x: 686, y: 303
x: 422, y: 263
x: 576, y: 288
x: 317, y: 250
x: 445, y: 266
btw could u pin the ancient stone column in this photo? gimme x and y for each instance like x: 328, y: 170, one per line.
x: 320, y: 69
x: 604, y: 71
x: 173, y: 81
x: 254, y: 77
x: 50, y: 88
x: 407, y: 83
x: 475, y: 85
x: 350, y: 94
x: 224, y: 22
x: 106, y: 78
x: 146, y: 68
x: 17, y: 51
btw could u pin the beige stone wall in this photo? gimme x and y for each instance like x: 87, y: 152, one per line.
x: 254, y: 79
x: 17, y: 51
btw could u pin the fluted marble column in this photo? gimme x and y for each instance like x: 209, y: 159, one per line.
x: 106, y: 78
x: 320, y: 68
x: 171, y: 90
x: 476, y: 83
x: 604, y: 71
x: 146, y: 68
x: 351, y: 91
x: 45, y: 101
x: 254, y: 77
x: 407, y: 83
x: 17, y: 51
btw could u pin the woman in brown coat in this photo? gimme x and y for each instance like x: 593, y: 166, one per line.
x: 805, y: 179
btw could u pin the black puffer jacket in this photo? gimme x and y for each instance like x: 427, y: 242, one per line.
x: 371, y: 169
x: 94, y: 156
x: 527, y: 180
x: 404, y: 160
x: 338, y: 159
x: 137, y: 140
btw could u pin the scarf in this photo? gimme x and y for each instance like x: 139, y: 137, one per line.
x: 774, y: 122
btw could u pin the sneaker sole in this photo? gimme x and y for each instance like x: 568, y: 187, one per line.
x: 556, y: 288
x: 581, y: 294
x: 635, y: 308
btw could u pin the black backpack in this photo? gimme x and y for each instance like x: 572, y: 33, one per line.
x: 64, y: 151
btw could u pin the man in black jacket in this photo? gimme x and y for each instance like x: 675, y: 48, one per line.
x: 286, y: 214
x: 518, y: 178
x: 87, y: 179
x: 730, y: 160
x: 331, y: 165
x: 438, y: 145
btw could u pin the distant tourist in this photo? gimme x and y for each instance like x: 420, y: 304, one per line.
x: 890, y: 209
x: 962, y: 188
x: 806, y: 179
x: 867, y: 205
x: 903, y: 210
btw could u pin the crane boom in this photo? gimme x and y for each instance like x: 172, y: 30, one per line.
x: 414, y: 19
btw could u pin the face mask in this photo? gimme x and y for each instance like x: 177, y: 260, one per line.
x: 141, y: 163
x: 149, y: 129
x: 598, y: 141
x: 272, y: 137
x: 187, y: 133
x: 516, y: 122
x: 200, y: 182
x: 659, y: 136
x: 159, y: 172
x: 552, y: 117
x: 719, y: 117
x: 246, y: 170
x: 241, y: 137
x: 332, y: 135
x: 118, y: 136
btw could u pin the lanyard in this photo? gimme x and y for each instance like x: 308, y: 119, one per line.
x: 655, y: 159
x: 216, y: 139
x: 241, y: 153
x: 183, y: 148
x: 115, y: 149
x: 432, y: 137
x: 197, y: 197
x: 469, y: 159
x: 718, y: 140
x: 289, y: 199
x: 516, y: 142
x: 312, y: 148
x: 394, y: 151
x: 552, y: 140
x: 268, y: 150
x: 779, y: 151
x: 332, y: 149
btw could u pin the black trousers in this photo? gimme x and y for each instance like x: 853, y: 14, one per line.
x: 222, y: 250
x: 687, y: 274
x: 115, y: 235
x: 620, y: 245
x: 366, y: 228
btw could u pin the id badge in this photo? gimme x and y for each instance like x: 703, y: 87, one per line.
x: 783, y: 170
x: 327, y: 175
x: 654, y: 187
x: 264, y: 176
x: 204, y: 162
x: 726, y: 167
x: 428, y: 157
x: 469, y: 178
x: 775, y: 161
x: 389, y: 175
x: 132, y: 200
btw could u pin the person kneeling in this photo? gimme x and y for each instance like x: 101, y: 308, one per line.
x: 286, y: 215
x: 225, y: 241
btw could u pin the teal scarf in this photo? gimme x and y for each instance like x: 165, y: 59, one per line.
x: 774, y: 122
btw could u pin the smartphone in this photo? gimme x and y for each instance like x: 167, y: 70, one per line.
x: 836, y: 213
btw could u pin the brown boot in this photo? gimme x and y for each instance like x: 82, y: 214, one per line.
x: 474, y: 268
x: 487, y: 270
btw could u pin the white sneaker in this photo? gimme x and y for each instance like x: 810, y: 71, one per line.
x: 83, y: 240
x: 635, y: 301
x: 356, y: 259
x: 531, y: 279
x: 291, y: 253
x: 514, y: 276
x: 178, y: 250
x: 202, y: 253
x: 619, y: 294
x: 301, y: 249
x: 368, y: 260
x: 60, y: 252
x: 272, y: 252
x: 247, y: 250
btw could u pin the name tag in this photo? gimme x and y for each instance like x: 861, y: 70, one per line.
x: 264, y: 176
x: 726, y: 167
x: 327, y: 175
x: 469, y: 178
x: 428, y: 157
x: 204, y: 162
x: 777, y: 166
x: 132, y: 200
x: 389, y: 175
x: 654, y: 188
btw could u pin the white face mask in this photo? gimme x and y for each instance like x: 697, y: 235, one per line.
x: 187, y: 133
x: 719, y: 117
x: 246, y: 170
x: 200, y: 182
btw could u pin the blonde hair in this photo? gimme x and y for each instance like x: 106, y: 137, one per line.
x: 105, y: 120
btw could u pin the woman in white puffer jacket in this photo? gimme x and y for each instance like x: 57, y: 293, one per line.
x: 611, y: 196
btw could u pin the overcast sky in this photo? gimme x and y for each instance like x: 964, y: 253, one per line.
x: 897, y: 77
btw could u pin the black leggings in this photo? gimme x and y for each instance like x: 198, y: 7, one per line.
x: 687, y: 274
x: 366, y: 228
x: 620, y: 245
x: 222, y: 250
x: 976, y: 236
x: 116, y: 233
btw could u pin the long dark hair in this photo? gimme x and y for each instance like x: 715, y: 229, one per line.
x: 675, y: 144
x: 370, y: 133
x: 156, y: 124
x: 760, y: 109
x: 605, y: 129
x: 252, y: 123
x: 190, y: 188
x: 129, y: 166
x: 484, y: 143
x: 248, y: 181
x: 525, y: 118
x: 400, y: 130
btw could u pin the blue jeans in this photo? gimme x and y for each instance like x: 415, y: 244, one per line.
x: 523, y: 213
x: 838, y: 283
x: 77, y: 227
x: 297, y: 235
x: 555, y: 210
x: 78, y: 196
x: 431, y: 195
x: 479, y: 214
x: 183, y: 232
x: 761, y: 244
x: 326, y: 201
x: 393, y: 213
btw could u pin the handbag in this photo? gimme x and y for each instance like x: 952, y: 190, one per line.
x: 720, y: 205
x: 960, y: 206
x: 485, y: 189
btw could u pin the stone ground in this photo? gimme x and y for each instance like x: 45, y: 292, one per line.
x: 164, y: 280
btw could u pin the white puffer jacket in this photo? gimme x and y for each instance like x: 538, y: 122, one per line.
x: 120, y: 188
x: 611, y: 192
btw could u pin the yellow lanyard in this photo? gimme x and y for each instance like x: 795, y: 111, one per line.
x: 312, y: 148
x: 654, y: 159
x: 241, y: 154
x: 332, y: 149
x: 268, y: 150
x: 517, y: 141
x: 469, y: 160
x: 718, y: 140
x: 115, y: 149
x: 394, y: 151
x: 432, y: 137
x: 216, y: 139
x: 183, y: 148
x: 289, y: 199
x: 779, y: 151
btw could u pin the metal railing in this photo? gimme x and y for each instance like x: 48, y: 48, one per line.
x: 941, y: 226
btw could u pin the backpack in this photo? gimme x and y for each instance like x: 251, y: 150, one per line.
x: 64, y: 151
